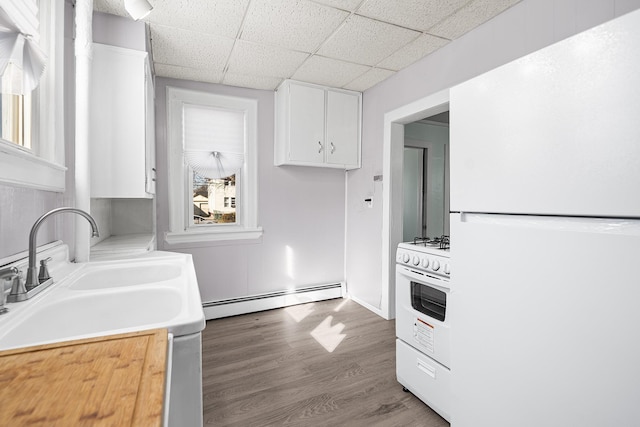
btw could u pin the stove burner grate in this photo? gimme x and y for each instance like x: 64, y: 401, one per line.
x: 443, y: 242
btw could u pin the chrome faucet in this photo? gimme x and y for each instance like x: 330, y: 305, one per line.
x: 32, y: 273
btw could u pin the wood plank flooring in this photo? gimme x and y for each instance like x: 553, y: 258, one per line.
x: 329, y: 363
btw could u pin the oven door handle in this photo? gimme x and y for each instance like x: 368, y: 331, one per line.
x: 427, y: 279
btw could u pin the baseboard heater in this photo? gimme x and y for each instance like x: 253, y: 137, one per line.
x: 271, y: 300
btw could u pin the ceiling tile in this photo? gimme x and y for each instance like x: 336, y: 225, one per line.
x: 365, y: 41
x: 185, y: 48
x: 220, y: 17
x: 369, y: 79
x: 184, y: 73
x: 349, y: 5
x: 260, y: 60
x: 114, y: 7
x: 291, y: 24
x: 254, y: 82
x: 417, y: 49
x: 328, y: 72
x: 416, y: 14
x: 470, y: 16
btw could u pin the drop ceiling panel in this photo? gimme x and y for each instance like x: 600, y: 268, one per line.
x: 365, y: 41
x: 415, y: 14
x: 221, y: 17
x: 291, y: 24
x: 255, y: 59
x: 417, y: 49
x: 110, y: 6
x: 255, y: 82
x: 368, y: 79
x: 184, y: 48
x: 328, y: 71
x: 349, y: 5
x: 343, y: 43
x: 469, y: 17
x: 184, y: 73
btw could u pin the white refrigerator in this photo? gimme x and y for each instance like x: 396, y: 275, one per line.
x: 545, y: 232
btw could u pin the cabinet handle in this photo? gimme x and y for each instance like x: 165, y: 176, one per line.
x: 320, y: 147
x: 333, y: 148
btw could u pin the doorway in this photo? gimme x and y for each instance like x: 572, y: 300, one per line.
x: 392, y: 200
x: 425, y: 178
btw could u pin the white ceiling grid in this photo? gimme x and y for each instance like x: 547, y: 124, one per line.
x: 353, y: 44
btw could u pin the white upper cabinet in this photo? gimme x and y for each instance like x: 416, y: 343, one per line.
x: 317, y: 126
x: 122, y: 124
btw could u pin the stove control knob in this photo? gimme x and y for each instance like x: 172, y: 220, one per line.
x: 435, y: 265
x: 416, y: 260
x: 447, y: 269
x: 405, y: 258
x: 425, y: 262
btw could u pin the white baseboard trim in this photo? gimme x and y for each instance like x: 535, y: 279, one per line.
x: 251, y: 304
x: 368, y: 306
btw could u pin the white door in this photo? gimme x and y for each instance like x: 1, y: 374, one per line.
x: 307, y: 110
x: 342, y: 128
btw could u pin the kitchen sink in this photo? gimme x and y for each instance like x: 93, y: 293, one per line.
x: 95, y: 314
x: 156, y: 290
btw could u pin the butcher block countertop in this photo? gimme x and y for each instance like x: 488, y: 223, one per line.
x: 116, y: 380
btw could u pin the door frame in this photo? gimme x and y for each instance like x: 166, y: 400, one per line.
x: 392, y: 159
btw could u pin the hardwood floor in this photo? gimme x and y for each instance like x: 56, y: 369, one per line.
x: 329, y: 363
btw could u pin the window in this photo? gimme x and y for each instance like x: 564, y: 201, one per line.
x: 32, y: 124
x: 212, y: 143
x: 15, y: 125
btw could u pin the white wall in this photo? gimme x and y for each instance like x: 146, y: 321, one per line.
x: 522, y: 29
x: 301, y: 210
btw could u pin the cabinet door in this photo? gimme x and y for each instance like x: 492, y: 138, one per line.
x: 306, y: 133
x: 118, y: 122
x: 150, y: 140
x: 343, y: 111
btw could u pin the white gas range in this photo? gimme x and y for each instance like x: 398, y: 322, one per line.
x: 422, y: 325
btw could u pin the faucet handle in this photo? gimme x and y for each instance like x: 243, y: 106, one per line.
x: 7, y: 274
x: 43, y: 275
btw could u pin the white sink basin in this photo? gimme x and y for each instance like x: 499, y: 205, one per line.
x: 158, y: 290
x: 90, y: 314
x: 117, y: 276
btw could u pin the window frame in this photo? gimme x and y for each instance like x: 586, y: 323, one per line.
x: 42, y: 167
x: 246, y: 226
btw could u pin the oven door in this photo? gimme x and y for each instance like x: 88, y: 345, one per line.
x: 421, y: 313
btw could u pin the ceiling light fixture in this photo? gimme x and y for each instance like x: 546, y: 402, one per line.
x: 138, y: 9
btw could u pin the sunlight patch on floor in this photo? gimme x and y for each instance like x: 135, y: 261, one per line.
x: 339, y: 307
x: 299, y: 312
x: 329, y: 336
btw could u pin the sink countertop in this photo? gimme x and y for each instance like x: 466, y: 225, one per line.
x: 114, y: 380
x: 150, y: 291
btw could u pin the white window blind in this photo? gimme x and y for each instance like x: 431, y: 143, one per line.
x: 214, y: 140
x: 22, y: 61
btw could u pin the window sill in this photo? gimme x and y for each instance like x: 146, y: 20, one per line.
x: 197, y: 236
x: 22, y: 168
